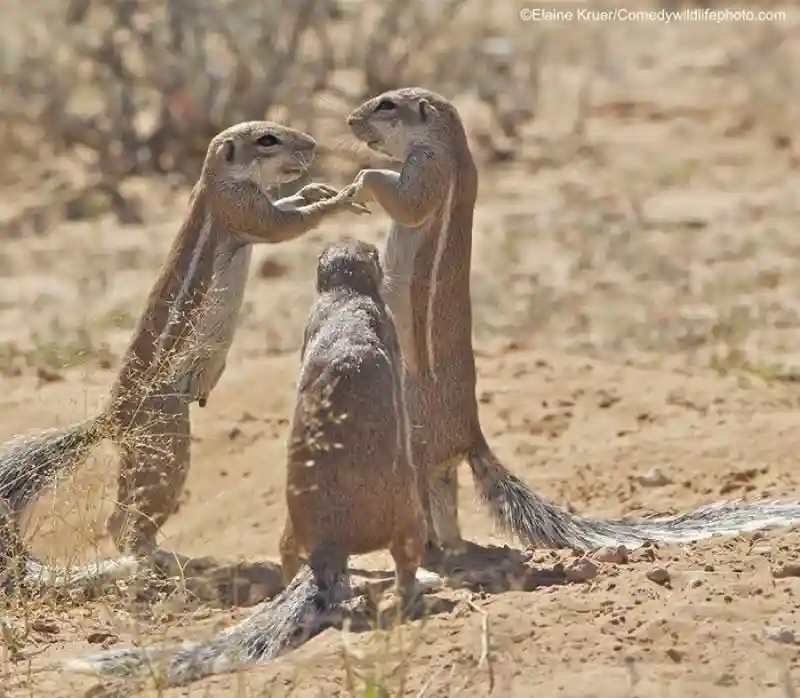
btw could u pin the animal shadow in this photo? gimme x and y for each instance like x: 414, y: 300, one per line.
x: 362, y: 614
x: 208, y: 580
x: 487, y: 568
x: 493, y: 569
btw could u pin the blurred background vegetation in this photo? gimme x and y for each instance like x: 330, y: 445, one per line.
x: 107, y: 101
x: 96, y: 92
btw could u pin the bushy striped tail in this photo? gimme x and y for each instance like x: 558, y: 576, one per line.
x: 30, y: 463
x: 37, y: 576
x: 537, y: 522
x: 286, y: 621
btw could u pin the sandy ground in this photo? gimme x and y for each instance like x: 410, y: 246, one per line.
x: 637, y: 307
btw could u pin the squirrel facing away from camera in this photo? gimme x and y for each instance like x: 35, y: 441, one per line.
x: 351, y: 485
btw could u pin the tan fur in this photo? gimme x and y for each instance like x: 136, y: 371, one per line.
x: 178, y: 350
x: 427, y: 268
x: 193, y: 310
x: 351, y: 484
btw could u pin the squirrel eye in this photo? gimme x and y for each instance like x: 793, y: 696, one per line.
x: 385, y: 105
x: 268, y: 140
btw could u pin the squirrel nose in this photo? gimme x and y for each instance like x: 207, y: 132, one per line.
x: 351, y: 119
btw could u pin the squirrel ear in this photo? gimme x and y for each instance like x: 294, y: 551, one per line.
x: 228, y: 149
x: 426, y: 109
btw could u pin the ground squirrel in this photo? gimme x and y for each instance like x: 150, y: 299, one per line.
x: 351, y: 484
x: 427, y: 286
x: 178, y: 350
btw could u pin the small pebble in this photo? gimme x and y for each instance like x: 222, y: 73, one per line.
x: 694, y: 582
x: 675, y: 655
x: 658, y: 575
x: 653, y: 478
x: 99, y: 637
x: 642, y: 555
x: 782, y: 634
x: 618, y: 555
x: 581, y: 570
x: 45, y: 625
x: 786, y: 570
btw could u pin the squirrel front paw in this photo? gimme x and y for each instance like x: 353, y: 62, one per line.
x: 316, y: 193
x: 358, y: 191
x: 312, y: 193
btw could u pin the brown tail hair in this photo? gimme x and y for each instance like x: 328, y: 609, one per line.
x: 537, y: 522
x: 287, y: 621
x: 29, y: 464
